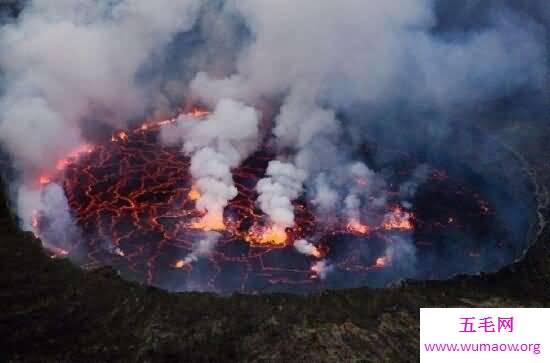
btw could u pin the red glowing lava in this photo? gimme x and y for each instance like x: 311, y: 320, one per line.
x: 354, y: 226
x: 134, y: 200
x: 397, y: 219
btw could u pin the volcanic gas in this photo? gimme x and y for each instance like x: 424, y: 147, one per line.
x: 270, y: 161
x: 134, y: 202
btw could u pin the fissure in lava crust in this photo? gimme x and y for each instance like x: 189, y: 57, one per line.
x: 133, y: 200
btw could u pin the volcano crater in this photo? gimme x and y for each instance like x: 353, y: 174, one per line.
x: 133, y: 205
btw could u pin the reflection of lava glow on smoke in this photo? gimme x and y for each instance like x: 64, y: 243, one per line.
x: 134, y: 200
x: 382, y: 261
x: 194, y: 194
x: 119, y: 136
x: 61, y: 164
x: 43, y: 180
x: 179, y: 264
x: 316, y: 253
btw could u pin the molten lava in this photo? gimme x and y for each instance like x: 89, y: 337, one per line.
x: 179, y: 264
x: 43, y: 180
x: 135, y: 202
x: 197, y: 112
x: 209, y: 222
x: 273, y: 235
x: 194, y: 194
x: 119, y: 136
x: 382, y: 261
x: 354, y: 226
x: 61, y: 164
x: 397, y: 219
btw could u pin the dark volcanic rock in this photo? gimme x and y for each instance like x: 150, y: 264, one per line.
x: 52, y: 311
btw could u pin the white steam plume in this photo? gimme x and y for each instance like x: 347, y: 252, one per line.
x: 282, y: 185
x: 216, y: 145
x: 312, y: 139
x: 203, y: 247
x: 345, y: 191
x: 306, y: 248
x: 408, y: 189
x: 389, y: 50
x: 50, y: 205
x: 352, y: 203
x: 70, y: 60
x: 322, y: 268
x: 389, y: 54
x: 64, y: 63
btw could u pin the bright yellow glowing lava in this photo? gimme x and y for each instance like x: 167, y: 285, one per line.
x: 210, y: 222
x: 355, y: 226
x: 197, y: 112
x: 74, y: 154
x: 398, y: 219
x: 274, y: 236
x: 61, y: 164
x: 120, y: 136
x: 43, y: 180
x: 316, y: 252
x: 193, y: 194
x: 382, y: 261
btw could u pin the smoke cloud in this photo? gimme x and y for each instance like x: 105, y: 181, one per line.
x: 350, y: 52
x: 203, y: 247
x: 282, y: 185
x: 68, y: 63
x: 65, y: 63
x: 216, y: 145
x: 322, y: 268
x: 50, y: 204
x: 306, y: 248
x: 328, y: 57
x: 72, y: 60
